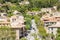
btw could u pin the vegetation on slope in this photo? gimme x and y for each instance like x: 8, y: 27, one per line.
x: 58, y: 34
x: 7, y: 33
x: 35, y: 5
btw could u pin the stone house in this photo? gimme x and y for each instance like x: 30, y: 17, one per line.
x: 15, y: 22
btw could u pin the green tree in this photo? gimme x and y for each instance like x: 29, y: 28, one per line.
x: 42, y: 31
x: 37, y: 19
x: 58, y: 6
x: 40, y: 26
x: 35, y: 36
x: 28, y: 21
x: 2, y: 1
x: 41, y: 3
x: 6, y: 33
x: 58, y: 34
x: 23, y: 38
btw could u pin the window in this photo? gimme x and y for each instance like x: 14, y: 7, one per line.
x: 47, y: 25
x: 18, y: 13
x: 52, y: 22
x: 51, y: 28
x: 5, y: 14
x: 13, y: 20
x: 24, y: 22
x: 51, y: 37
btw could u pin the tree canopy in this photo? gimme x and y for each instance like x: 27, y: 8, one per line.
x: 58, y: 34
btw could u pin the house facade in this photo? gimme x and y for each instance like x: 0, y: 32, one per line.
x: 15, y: 22
x: 51, y: 22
